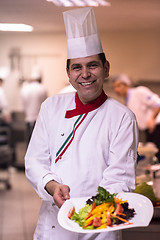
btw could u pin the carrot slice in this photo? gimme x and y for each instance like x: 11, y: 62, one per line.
x: 122, y: 219
x: 90, y: 214
x: 88, y: 224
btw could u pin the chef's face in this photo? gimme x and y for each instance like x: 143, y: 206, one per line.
x: 120, y: 88
x: 87, y: 76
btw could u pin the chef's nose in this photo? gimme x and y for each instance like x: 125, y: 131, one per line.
x: 85, y: 72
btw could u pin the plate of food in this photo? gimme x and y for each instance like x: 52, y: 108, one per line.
x: 105, y: 212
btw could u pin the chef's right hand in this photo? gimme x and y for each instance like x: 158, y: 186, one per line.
x: 59, y: 192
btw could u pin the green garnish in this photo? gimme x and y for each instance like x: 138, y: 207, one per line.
x: 103, y: 196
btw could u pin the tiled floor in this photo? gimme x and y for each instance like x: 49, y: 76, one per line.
x: 19, y: 208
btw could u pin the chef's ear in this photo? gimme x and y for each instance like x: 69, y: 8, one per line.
x: 67, y: 67
x: 68, y: 72
x: 107, y: 68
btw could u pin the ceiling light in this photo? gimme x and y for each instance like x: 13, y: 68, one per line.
x: 15, y: 27
x: 104, y: 3
x: 80, y: 3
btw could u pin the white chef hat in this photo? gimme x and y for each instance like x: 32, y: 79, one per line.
x: 122, y: 78
x: 82, y: 36
x: 36, y: 73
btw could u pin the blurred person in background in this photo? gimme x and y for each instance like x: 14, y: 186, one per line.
x: 5, y: 115
x: 32, y: 96
x: 64, y: 158
x: 144, y: 103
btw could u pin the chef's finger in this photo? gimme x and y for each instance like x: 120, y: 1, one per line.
x: 58, y: 201
x: 65, y: 192
x: 61, y: 194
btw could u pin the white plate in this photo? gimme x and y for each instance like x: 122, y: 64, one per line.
x: 141, y: 204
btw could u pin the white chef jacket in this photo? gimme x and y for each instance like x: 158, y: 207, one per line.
x: 32, y: 96
x: 3, y: 101
x: 103, y: 152
x: 142, y: 101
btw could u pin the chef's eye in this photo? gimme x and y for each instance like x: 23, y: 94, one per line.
x: 76, y: 67
x: 93, y: 65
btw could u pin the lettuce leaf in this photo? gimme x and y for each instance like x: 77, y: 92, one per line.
x: 80, y: 217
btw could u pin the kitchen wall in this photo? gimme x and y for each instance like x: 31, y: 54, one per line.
x: 134, y: 53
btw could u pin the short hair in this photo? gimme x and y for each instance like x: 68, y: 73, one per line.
x: 123, y: 78
x: 101, y: 56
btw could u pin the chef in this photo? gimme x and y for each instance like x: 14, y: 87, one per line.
x: 144, y: 103
x: 32, y: 96
x: 81, y: 140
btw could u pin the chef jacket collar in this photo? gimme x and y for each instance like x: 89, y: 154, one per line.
x: 85, y: 108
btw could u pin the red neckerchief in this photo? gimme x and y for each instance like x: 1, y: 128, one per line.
x: 85, y: 108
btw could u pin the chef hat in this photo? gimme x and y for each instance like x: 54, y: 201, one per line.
x: 82, y: 35
x: 36, y: 73
x: 122, y: 78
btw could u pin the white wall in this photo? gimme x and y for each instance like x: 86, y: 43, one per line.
x: 134, y: 53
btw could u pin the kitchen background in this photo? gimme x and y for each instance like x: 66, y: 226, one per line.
x: 130, y: 35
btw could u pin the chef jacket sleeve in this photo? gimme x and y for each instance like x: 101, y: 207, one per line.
x: 149, y: 98
x: 38, y: 159
x: 119, y: 176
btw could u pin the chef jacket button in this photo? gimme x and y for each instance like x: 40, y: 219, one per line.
x: 62, y: 134
x: 60, y: 157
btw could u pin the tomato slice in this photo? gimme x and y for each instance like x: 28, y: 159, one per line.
x: 97, y: 222
x: 71, y: 211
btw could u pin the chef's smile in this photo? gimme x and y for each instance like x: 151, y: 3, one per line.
x: 87, y: 83
x: 87, y: 75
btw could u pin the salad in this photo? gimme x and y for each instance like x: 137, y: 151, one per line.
x: 101, y: 211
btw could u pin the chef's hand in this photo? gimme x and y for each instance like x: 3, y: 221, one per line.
x: 59, y: 192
